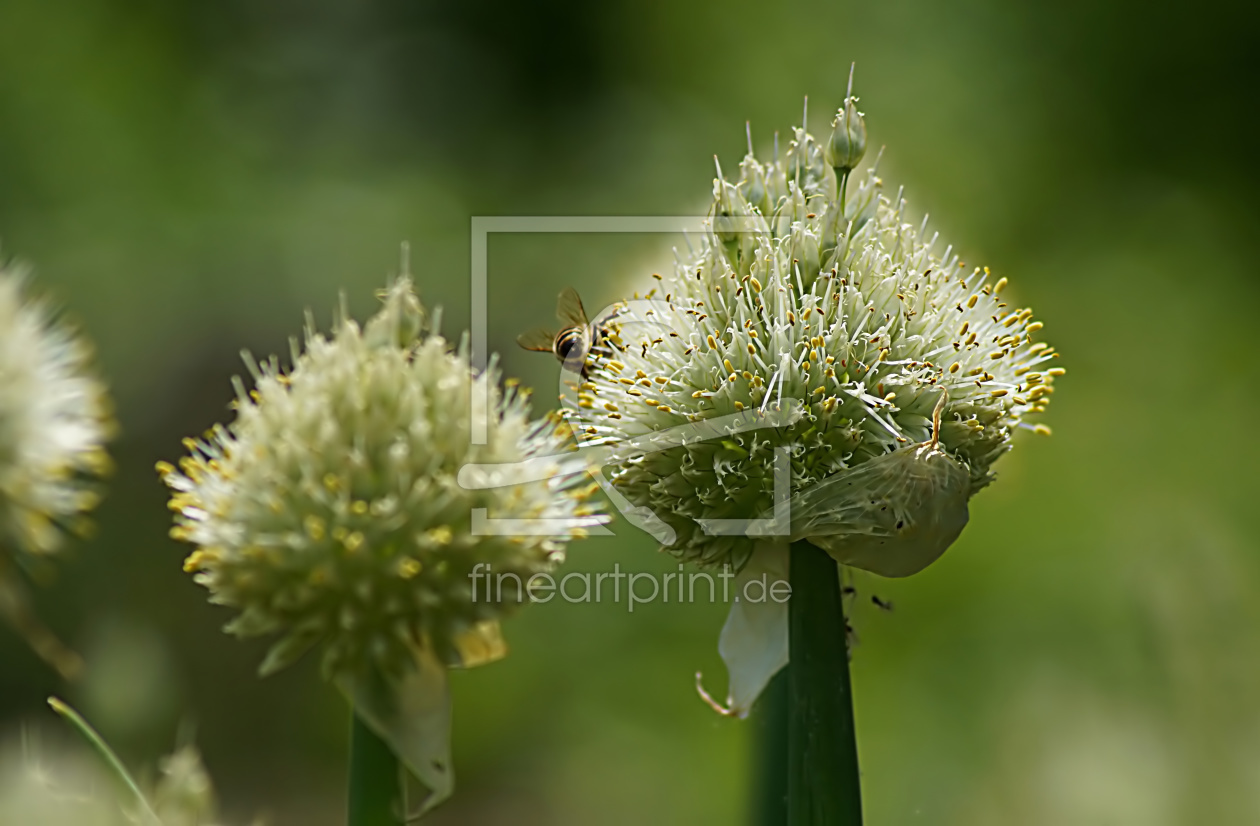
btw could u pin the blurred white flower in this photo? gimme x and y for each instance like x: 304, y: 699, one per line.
x: 54, y: 421
x: 45, y: 787
x: 909, y: 370
x: 55, y: 790
x: 330, y: 512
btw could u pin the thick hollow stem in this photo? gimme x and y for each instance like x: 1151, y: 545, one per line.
x: 770, y: 737
x: 374, y: 788
x: 823, y: 781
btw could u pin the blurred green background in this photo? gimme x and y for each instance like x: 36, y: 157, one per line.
x: 188, y: 177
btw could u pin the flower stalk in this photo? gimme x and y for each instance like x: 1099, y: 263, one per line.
x: 770, y: 788
x: 373, y: 779
x: 824, y: 787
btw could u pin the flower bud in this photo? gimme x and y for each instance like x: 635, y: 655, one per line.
x: 847, y: 144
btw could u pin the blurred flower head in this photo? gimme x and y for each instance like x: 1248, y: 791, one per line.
x: 43, y: 787
x: 54, y: 422
x: 331, y: 512
x: 57, y: 790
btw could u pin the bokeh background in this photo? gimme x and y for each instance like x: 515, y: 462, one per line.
x: 187, y: 177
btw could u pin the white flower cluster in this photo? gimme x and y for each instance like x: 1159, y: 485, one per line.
x: 861, y: 379
x: 841, y: 307
x: 331, y: 511
x: 65, y: 789
x: 54, y: 422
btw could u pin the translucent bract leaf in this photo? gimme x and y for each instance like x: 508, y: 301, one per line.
x: 412, y: 714
x: 754, y: 641
x: 893, y: 515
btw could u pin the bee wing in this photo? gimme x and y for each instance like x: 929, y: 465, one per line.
x: 569, y: 308
x: 539, y: 339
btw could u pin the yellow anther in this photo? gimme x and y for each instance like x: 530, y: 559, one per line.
x: 314, y: 526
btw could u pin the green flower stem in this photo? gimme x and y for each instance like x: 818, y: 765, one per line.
x: 84, y: 728
x: 770, y: 734
x: 824, y: 787
x: 374, y: 782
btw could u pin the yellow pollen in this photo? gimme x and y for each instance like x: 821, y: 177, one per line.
x: 314, y: 526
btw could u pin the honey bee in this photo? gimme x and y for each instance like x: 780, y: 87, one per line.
x: 573, y: 344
